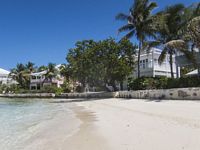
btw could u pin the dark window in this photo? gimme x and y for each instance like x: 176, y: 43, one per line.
x: 38, y: 86
x: 33, y: 87
x: 33, y: 77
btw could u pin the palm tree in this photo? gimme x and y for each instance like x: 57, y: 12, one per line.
x: 169, y: 37
x: 20, y: 75
x: 140, y: 23
x: 51, y: 72
x: 30, y: 67
x: 191, y: 26
x: 193, y: 34
x: 65, y: 71
x: 42, y: 68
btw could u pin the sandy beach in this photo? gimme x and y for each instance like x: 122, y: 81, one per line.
x: 139, y: 125
x: 116, y: 124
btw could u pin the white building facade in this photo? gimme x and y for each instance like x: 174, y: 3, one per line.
x: 38, y: 80
x: 4, y: 77
x: 149, y: 66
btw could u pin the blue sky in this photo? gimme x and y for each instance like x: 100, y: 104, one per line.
x: 42, y: 31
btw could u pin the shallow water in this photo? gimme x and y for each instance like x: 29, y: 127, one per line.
x: 19, y: 120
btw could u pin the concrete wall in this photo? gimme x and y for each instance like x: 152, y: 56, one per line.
x: 170, y: 94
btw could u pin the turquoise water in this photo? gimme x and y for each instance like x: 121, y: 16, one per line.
x: 19, y: 117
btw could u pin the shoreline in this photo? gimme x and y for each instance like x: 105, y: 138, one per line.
x: 116, y: 124
x: 74, y: 131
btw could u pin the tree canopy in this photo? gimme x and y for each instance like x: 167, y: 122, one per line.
x: 103, y: 62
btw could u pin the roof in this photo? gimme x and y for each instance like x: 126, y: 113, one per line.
x: 45, y: 71
x: 194, y: 72
x: 39, y: 73
x: 3, y: 71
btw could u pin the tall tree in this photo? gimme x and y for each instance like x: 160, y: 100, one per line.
x: 79, y: 60
x: 169, y: 37
x: 30, y: 66
x: 42, y: 68
x: 20, y: 75
x: 192, y: 27
x: 51, y: 72
x: 140, y: 23
x: 101, y: 63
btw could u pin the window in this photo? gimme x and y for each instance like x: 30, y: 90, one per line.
x: 33, y: 87
x: 143, y: 64
x: 38, y: 77
x: 140, y: 63
x: 33, y: 77
x: 147, y: 63
x: 38, y: 86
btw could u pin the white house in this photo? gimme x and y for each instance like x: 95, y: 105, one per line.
x: 4, y: 77
x: 182, y: 61
x: 149, y: 66
x: 38, y: 80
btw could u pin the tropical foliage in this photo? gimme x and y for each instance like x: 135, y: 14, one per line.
x: 101, y: 63
x: 141, y: 23
x: 145, y: 83
x: 175, y: 29
x: 21, y: 74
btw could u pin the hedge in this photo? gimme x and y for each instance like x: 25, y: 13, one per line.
x: 144, y: 83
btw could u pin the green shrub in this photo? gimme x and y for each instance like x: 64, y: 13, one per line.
x: 51, y: 89
x: 66, y: 87
x: 144, y: 83
x: 13, y: 88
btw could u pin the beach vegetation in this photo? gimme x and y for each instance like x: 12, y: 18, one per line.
x: 141, y: 23
x: 101, y: 63
x: 149, y: 83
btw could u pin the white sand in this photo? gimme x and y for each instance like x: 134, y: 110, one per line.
x: 146, y: 125
x: 114, y: 124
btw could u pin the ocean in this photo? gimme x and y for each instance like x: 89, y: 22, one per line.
x: 21, y: 119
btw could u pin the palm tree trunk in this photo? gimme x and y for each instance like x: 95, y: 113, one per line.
x: 138, y: 67
x: 171, y: 65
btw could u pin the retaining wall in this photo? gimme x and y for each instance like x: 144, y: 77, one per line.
x: 88, y: 95
x: 170, y: 94
x: 35, y: 95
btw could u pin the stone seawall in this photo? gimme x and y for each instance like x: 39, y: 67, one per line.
x: 89, y: 95
x: 170, y: 94
x: 35, y: 95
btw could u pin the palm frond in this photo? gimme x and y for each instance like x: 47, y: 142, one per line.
x: 129, y: 35
x: 189, y: 55
x: 151, y: 6
x: 127, y: 27
x: 150, y: 44
x: 176, y: 44
x: 197, y: 11
x: 162, y: 56
x: 122, y: 16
